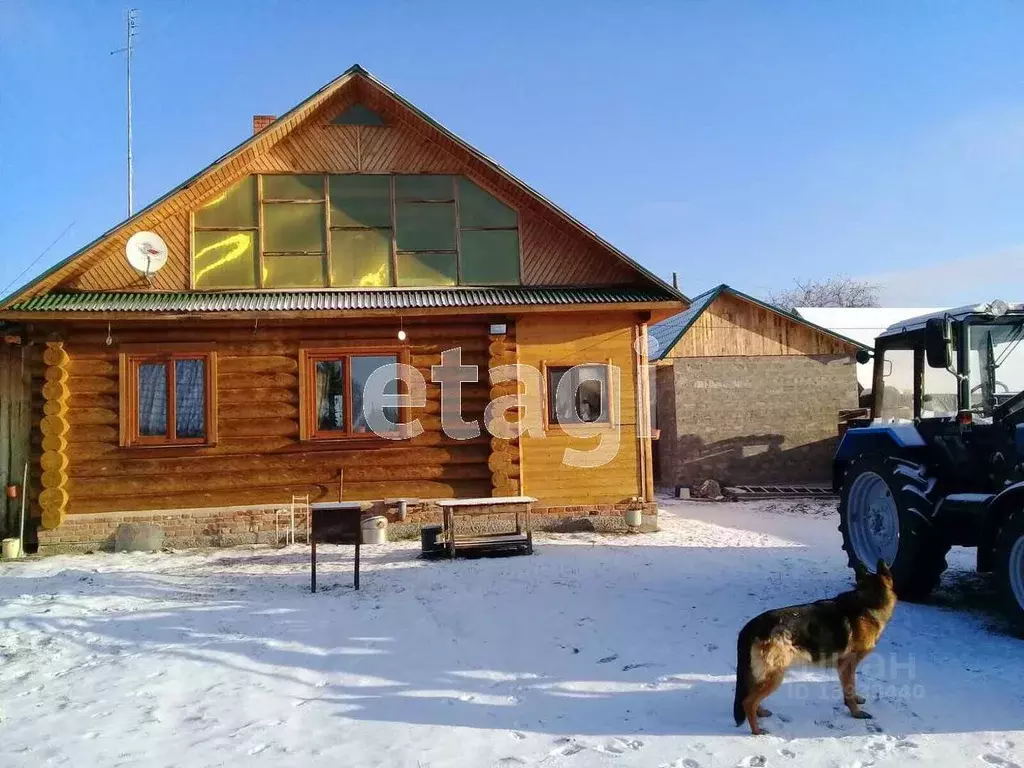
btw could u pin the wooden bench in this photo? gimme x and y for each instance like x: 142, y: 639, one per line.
x: 335, y: 522
x: 519, y: 541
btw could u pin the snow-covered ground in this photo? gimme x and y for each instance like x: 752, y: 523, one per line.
x: 596, y: 651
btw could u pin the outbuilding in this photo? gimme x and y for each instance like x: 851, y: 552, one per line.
x: 746, y: 393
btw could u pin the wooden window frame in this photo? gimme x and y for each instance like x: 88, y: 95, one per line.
x: 129, y: 359
x: 327, y: 271
x: 309, y: 357
x: 550, y: 422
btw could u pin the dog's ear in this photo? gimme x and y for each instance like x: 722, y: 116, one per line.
x: 883, y: 569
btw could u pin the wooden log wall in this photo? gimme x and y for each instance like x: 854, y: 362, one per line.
x: 258, y: 458
x: 573, y: 340
x: 505, y: 460
x: 54, y: 426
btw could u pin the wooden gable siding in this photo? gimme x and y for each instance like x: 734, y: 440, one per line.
x: 733, y: 326
x: 545, y: 340
x: 553, y: 251
x: 259, y: 458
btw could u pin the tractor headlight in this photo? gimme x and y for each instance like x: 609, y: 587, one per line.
x: 998, y: 308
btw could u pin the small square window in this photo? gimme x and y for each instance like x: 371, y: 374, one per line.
x: 168, y: 398
x: 578, y: 395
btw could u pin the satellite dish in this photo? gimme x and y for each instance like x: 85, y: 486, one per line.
x: 146, y: 252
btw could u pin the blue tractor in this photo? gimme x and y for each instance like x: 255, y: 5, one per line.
x: 941, y: 461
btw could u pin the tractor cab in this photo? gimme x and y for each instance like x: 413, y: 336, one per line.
x: 965, y: 365
x: 941, y: 461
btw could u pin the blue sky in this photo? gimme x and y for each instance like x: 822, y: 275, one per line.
x: 742, y: 142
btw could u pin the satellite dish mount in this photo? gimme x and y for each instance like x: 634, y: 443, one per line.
x: 146, y: 253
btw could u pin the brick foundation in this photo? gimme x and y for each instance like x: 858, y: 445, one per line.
x: 232, y: 526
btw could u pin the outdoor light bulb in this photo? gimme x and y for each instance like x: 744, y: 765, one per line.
x: 998, y: 308
x: 402, y: 335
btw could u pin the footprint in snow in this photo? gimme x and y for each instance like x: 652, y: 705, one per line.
x: 1002, y: 762
x: 620, y: 746
x: 518, y: 735
x: 753, y: 761
x: 565, y: 748
x: 787, y: 753
x: 258, y: 748
x: 608, y: 659
x: 682, y: 762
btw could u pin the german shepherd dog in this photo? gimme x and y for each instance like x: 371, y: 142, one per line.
x: 839, y: 632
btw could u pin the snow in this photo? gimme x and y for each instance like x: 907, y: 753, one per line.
x: 597, y: 651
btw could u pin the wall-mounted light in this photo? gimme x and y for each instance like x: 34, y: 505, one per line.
x: 402, y: 335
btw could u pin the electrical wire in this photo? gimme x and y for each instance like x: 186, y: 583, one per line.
x: 36, y: 260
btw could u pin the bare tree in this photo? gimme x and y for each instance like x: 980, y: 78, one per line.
x: 834, y: 292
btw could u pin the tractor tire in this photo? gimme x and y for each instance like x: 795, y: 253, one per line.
x: 1010, y: 569
x: 884, y: 512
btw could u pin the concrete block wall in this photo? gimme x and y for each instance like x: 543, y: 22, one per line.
x: 748, y: 420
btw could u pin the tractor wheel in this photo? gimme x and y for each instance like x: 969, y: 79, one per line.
x: 1010, y: 568
x: 884, y: 511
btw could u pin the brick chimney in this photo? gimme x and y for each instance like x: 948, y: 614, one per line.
x: 259, y: 122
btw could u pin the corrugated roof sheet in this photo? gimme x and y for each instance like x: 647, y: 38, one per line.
x: 661, y: 337
x: 292, y: 301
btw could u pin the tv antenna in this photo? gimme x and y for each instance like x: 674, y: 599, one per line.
x: 133, y: 14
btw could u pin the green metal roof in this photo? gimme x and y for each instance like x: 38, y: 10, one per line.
x: 336, y: 300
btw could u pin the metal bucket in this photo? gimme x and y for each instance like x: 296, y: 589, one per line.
x: 375, y: 530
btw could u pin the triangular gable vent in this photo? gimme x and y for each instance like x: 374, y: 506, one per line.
x: 357, y: 114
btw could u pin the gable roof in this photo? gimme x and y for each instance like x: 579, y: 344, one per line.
x: 278, y: 130
x: 668, y: 332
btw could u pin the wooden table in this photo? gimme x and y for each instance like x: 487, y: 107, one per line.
x: 335, y: 522
x: 518, y: 541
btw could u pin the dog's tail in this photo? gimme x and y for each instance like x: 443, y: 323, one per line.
x: 744, y: 675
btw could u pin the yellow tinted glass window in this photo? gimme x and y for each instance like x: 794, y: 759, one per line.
x: 293, y: 272
x: 427, y: 269
x: 360, y: 201
x: 235, y: 207
x: 224, y: 259
x: 361, y: 258
x: 290, y: 227
x: 293, y: 187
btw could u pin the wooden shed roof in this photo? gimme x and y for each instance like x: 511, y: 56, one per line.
x: 666, y: 334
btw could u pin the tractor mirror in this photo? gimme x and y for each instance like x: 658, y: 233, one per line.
x: 863, y: 356
x: 938, y: 342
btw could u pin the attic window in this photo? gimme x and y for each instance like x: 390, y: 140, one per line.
x: 357, y: 114
x: 354, y: 231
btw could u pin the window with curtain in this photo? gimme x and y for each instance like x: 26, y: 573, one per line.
x: 578, y: 394
x: 168, y: 398
x: 354, y: 231
x: 348, y: 394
